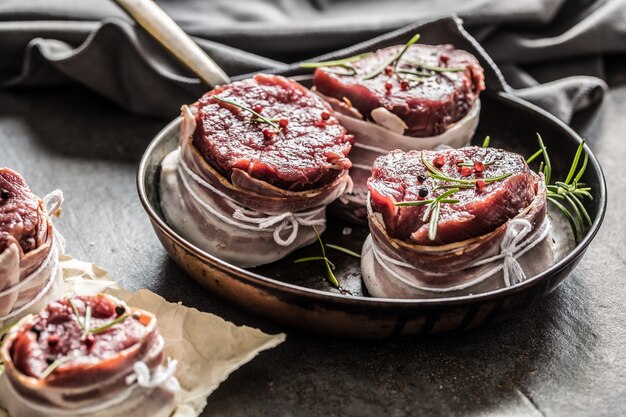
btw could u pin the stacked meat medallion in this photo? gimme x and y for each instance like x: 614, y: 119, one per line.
x: 453, y: 222
x: 87, y: 356
x: 420, y: 97
x: 29, y: 249
x: 258, y: 162
x: 260, y: 159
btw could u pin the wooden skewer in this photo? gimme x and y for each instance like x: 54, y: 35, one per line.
x: 156, y: 22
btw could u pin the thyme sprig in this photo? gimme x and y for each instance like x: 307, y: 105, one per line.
x: 567, y: 196
x: 394, y: 60
x: 257, y: 116
x: 327, y: 262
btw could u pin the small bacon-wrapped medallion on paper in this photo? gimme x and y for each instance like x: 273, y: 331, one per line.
x: 29, y: 247
x: 454, y: 222
x: 87, y: 356
x: 258, y: 162
x: 404, y: 97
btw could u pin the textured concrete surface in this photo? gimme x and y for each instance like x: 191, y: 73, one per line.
x: 563, y: 357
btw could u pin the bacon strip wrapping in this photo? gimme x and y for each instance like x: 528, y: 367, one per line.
x: 506, y: 255
x: 242, y: 220
x: 117, y: 372
x: 30, y: 275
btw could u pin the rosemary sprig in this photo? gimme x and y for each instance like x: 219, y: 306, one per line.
x: 258, y: 116
x: 394, y: 60
x: 432, y: 211
x: 335, y: 62
x: 107, y: 326
x: 439, y: 175
x: 344, y: 250
x: 567, y: 196
x: 53, y: 367
x: 327, y: 263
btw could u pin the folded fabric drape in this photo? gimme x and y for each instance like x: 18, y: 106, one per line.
x: 538, y: 45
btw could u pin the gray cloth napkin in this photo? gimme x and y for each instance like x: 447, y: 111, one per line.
x: 549, y: 51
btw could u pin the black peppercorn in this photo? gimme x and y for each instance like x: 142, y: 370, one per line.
x: 49, y: 360
x: 423, y: 192
x: 36, y: 330
x: 5, y: 194
x: 421, y: 178
x: 119, y: 310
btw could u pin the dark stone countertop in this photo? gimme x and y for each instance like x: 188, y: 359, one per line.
x: 565, y: 356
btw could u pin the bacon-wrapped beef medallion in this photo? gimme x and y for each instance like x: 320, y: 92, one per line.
x: 87, y: 356
x: 453, y: 222
x: 258, y: 162
x: 415, y: 97
x: 29, y: 247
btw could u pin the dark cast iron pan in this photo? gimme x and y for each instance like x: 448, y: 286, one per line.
x: 299, y: 295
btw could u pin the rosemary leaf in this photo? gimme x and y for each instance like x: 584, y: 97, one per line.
x: 393, y: 60
x: 547, y: 169
x: 314, y: 258
x: 567, y: 215
x: 248, y: 109
x: 107, y: 326
x: 434, y: 221
x: 534, y: 156
x: 583, y: 168
x: 582, y: 209
x: 329, y: 271
x: 336, y: 62
x: 486, y: 142
x: 577, y: 214
x: 413, y: 203
x: 344, y: 250
x: 572, y: 169
x: 53, y: 366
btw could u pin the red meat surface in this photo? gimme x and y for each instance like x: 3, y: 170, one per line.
x: 308, y: 151
x: 56, y: 333
x: 20, y: 212
x: 398, y: 176
x: 428, y: 107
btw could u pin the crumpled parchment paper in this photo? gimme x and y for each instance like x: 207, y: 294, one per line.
x: 207, y: 347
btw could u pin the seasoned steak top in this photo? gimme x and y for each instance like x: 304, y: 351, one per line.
x: 427, y: 100
x: 20, y: 212
x: 57, y: 333
x: 306, y: 149
x: 484, y: 205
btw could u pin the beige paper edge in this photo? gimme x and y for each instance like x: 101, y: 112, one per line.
x: 207, y: 347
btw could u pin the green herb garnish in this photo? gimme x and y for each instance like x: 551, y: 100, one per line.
x: 107, y: 326
x: 432, y: 211
x: 394, y: 60
x: 327, y: 263
x: 344, y: 250
x: 53, y: 366
x: 568, y: 195
x: 343, y: 63
x: 258, y: 116
x: 439, y: 175
x: 486, y: 142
